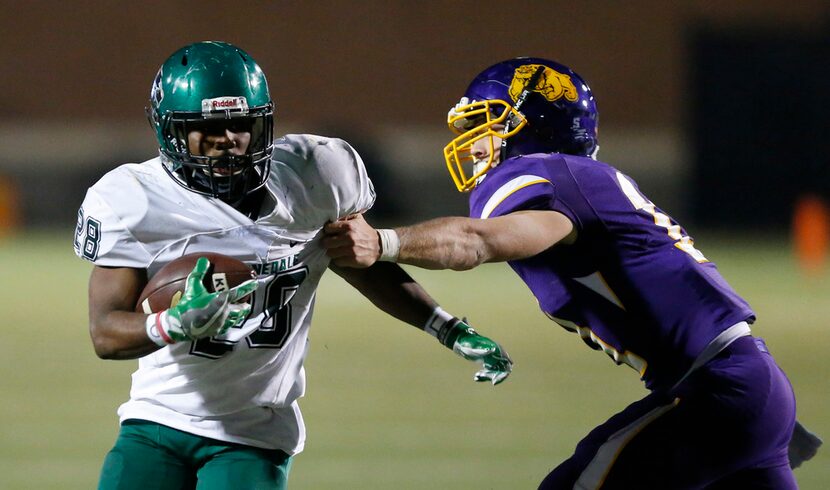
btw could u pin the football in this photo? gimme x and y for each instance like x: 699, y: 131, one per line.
x: 166, y: 287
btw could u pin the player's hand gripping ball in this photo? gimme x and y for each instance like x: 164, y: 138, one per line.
x: 196, y: 296
x: 166, y: 287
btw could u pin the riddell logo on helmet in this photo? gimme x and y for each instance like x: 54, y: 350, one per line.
x: 225, y: 104
x: 236, y: 104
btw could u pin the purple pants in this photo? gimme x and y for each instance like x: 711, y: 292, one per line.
x: 726, y: 426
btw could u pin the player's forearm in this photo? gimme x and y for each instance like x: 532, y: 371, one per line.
x: 120, y: 335
x: 443, y: 243
x: 117, y: 331
x: 392, y: 290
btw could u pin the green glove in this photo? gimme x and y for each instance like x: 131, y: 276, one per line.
x: 469, y: 344
x: 199, y: 313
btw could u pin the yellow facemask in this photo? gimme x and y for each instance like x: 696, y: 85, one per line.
x: 473, y: 121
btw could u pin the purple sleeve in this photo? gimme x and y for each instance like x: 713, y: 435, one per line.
x: 518, y: 192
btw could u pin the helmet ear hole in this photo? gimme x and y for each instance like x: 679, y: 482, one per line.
x: 545, y: 133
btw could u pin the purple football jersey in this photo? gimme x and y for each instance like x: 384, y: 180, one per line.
x: 632, y: 284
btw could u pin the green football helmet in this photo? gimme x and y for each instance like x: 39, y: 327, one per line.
x: 209, y: 83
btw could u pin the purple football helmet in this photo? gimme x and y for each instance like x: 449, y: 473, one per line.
x: 533, y: 105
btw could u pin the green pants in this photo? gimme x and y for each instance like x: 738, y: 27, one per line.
x: 149, y: 455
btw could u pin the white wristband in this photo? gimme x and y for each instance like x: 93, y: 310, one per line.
x: 152, y: 327
x: 437, y: 320
x: 390, y: 245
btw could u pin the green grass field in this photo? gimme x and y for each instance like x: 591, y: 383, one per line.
x: 386, y: 406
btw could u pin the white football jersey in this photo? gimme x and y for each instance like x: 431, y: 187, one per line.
x: 242, y: 387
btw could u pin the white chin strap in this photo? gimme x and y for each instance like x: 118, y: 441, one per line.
x: 478, y: 167
x: 593, y: 154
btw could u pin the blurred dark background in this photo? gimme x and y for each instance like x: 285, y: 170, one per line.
x: 719, y: 109
x: 759, y: 123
